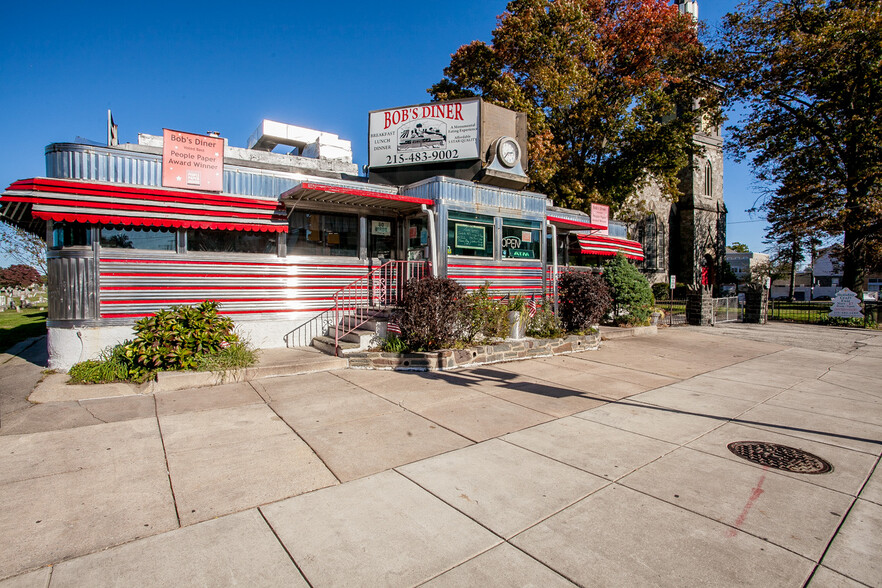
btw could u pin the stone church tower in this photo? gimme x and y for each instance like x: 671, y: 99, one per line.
x: 687, y: 237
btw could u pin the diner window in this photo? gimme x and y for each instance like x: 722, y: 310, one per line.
x: 469, y: 234
x: 122, y: 237
x: 381, y: 238
x: 520, y: 239
x: 206, y: 240
x: 417, y: 238
x: 65, y: 234
x: 319, y: 233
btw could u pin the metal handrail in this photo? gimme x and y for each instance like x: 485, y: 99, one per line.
x: 380, y: 288
x: 303, y: 334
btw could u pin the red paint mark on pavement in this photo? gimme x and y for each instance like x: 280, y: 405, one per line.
x: 754, y: 496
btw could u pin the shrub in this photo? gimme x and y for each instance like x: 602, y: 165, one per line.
x: 544, y: 324
x: 583, y: 299
x: 632, y: 300
x: 661, y: 291
x: 174, y: 339
x: 484, y: 316
x: 432, y: 313
x: 181, y: 338
x: 393, y: 344
x: 859, y: 323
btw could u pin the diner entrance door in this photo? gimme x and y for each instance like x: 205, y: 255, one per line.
x: 382, y: 239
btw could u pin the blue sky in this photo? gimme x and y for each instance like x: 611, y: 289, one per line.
x: 225, y: 66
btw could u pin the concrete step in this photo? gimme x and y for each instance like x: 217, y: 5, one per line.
x: 610, y: 333
x: 326, y: 345
x: 363, y: 337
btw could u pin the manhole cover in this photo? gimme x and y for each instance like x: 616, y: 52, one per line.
x: 780, y: 457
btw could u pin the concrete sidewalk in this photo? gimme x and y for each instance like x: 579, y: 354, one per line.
x: 600, y: 468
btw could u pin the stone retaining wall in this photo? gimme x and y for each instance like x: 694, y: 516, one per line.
x: 448, y: 359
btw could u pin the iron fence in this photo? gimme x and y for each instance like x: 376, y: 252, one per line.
x: 675, y: 311
x: 799, y: 312
x: 817, y: 311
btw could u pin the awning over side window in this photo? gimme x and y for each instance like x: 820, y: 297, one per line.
x: 388, y: 198
x: 571, y: 220
x: 114, y: 204
x: 605, y: 245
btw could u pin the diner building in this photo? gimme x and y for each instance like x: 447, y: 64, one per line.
x: 284, y: 233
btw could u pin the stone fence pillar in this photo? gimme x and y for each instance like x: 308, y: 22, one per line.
x: 700, y: 308
x: 756, y: 305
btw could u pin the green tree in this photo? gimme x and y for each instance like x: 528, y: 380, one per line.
x: 605, y: 86
x: 739, y: 247
x: 809, y: 74
x: 630, y: 291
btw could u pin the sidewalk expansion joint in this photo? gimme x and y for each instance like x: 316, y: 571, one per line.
x: 171, y: 485
x: 285, y: 547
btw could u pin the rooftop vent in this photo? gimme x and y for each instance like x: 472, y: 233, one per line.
x: 306, y: 142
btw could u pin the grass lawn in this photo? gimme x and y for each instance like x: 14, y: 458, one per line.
x: 18, y: 326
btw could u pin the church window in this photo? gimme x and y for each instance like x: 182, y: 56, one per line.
x: 708, y: 179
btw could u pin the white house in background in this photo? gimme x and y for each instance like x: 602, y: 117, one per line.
x: 743, y: 262
x: 822, y: 279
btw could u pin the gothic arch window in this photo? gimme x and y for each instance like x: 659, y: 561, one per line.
x: 648, y: 237
x: 708, y: 179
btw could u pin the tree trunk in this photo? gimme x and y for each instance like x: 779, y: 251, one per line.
x: 854, y: 254
x: 795, y: 250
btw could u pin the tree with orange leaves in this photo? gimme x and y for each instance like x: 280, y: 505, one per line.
x: 608, y: 87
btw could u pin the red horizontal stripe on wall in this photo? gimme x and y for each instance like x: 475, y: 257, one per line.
x: 280, y: 264
x: 203, y: 287
x: 522, y: 287
x: 485, y: 277
x: 500, y: 268
x: 190, y: 261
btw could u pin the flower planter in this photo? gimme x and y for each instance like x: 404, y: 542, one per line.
x: 447, y: 359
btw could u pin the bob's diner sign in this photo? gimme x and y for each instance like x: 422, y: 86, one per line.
x: 424, y: 134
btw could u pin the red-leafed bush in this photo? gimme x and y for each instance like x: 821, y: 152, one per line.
x: 432, y: 313
x: 583, y: 299
x: 19, y: 276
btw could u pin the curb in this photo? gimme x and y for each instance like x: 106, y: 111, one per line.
x: 611, y: 333
x: 55, y: 387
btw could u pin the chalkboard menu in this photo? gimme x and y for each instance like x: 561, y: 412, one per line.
x: 469, y: 237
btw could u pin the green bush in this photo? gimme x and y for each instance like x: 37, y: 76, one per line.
x: 432, y: 313
x: 583, y: 299
x: 632, y: 300
x: 838, y: 321
x: 661, y: 291
x: 393, y: 344
x: 544, y: 324
x: 174, y: 339
x: 181, y: 338
x: 484, y: 316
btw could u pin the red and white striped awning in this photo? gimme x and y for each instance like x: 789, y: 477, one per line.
x: 353, y: 196
x: 572, y: 222
x: 116, y: 204
x: 610, y: 246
